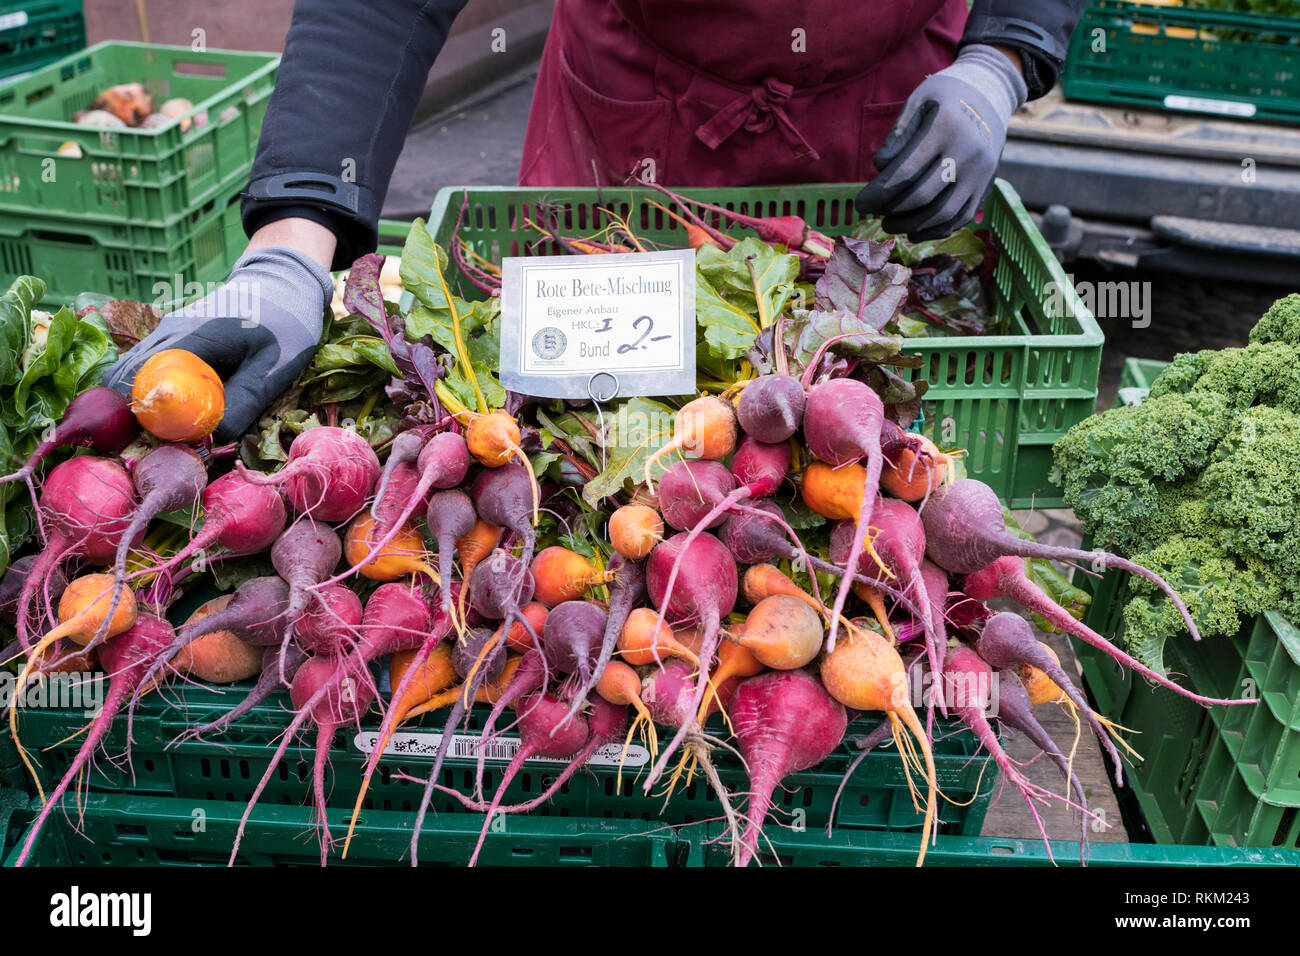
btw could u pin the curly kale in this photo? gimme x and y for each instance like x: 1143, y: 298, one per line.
x: 1281, y: 323
x: 1112, y: 465
x: 1201, y: 484
x: 1181, y: 374
x: 1250, y: 488
x: 1262, y: 373
x: 1221, y: 592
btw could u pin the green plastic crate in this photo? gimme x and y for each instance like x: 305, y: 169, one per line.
x: 14, y: 817
x: 392, y: 236
x: 127, y: 260
x: 228, y: 768
x: 1224, y: 775
x: 1005, y: 399
x: 130, y: 176
x: 1135, y: 379
x: 34, y: 32
x: 1174, y: 734
x: 137, y: 830
x: 1240, y: 65
x: 859, y: 848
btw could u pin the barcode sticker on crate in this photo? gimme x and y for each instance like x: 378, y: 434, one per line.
x: 503, y: 749
x: 16, y: 19
x: 1202, y: 104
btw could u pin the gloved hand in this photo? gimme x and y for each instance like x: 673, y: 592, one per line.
x: 939, y: 159
x: 258, y: 331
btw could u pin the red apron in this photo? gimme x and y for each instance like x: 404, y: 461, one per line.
x: 728, y: 92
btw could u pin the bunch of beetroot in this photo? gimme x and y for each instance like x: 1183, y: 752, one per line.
x: 686, y: 606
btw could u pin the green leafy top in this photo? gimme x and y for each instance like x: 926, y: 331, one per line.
x: 45, y: 362
x: 962, y: 244
x: 740, y: 292
x: 468, y: 331
x: 634, y: 429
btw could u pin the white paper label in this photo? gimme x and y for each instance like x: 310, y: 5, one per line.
x: 500, y: 749
x: 10, y: 20
x: 1200, y: 104
x: 599, y: 326
x: 1132, y: 395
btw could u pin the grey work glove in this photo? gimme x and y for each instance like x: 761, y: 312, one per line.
x: 940, y: 158
x: 258, y: 331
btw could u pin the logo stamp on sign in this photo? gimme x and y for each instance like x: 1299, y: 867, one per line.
x: 549, y: 343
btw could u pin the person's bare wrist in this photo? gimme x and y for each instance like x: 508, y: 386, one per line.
x: 310, y: 238
x: 1012, y: 54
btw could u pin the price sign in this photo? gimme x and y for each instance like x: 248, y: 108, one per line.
x: 599, y: 326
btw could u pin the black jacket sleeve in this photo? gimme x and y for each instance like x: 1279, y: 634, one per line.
x: 348, y: 84
x: 1039, y: 29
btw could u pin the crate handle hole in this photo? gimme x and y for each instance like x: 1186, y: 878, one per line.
x: 63, y: 237
x: 192, y: 68
x: 37, y: 95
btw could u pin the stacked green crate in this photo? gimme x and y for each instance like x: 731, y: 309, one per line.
x: 1236, y: 64
x: 1223, y: 775
x: 36, y: 32
x: 129, y: 212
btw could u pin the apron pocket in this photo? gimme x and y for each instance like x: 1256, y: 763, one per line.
x: 623, y: 137
x: 877, y: 120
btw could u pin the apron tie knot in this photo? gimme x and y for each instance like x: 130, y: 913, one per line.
x: 757, y: 110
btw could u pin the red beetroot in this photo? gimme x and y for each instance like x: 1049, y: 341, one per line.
x: 126, y: 658
x: 706, y: 594
x: 966, y: 531
x: 842, y: 424
x: 1006, y: 577
x: 504, y: 497
x: 969, y: 683
x: 238, y: 518
x: 771, y: 407
x: 331, y: 693
x: 99, y: 418
x: 167, y: 478
x: 785, y: 722
x: 545, y: 730
x: 329, y: 475
x: 1007, y: 641
x: 331, y: 624
x: 86, y: 507
x: 442, y: 464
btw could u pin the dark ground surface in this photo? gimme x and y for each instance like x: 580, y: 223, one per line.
x: 480, y: 143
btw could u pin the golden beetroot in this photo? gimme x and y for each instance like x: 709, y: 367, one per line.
x: 634, y: 530
x: 177, y: 396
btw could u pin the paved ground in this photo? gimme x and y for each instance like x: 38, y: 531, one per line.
x: 479, y: 144
x: 1009, y: 816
